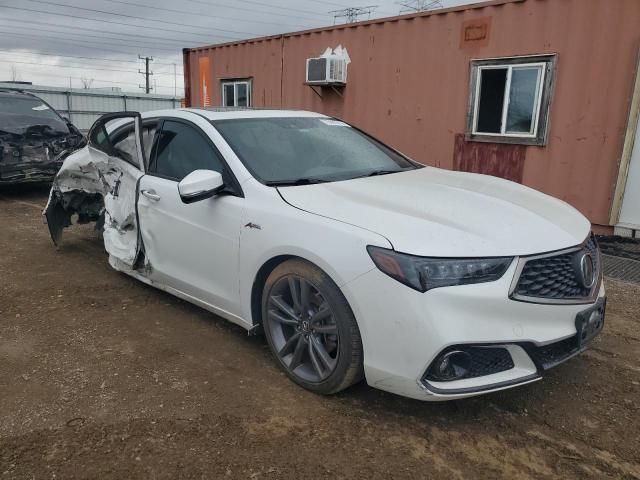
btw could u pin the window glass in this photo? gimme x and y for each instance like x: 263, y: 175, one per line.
x: 522, y: 99
x: 124, y: 146
x: 510, y: 99
x: 26, y: 114
x: 492, y: 84
x: 282, y: 150
x: 229, y: 98
x: 124, y: 143
x: 100, y: 139
x: 236, y: 93
x: 241, y: 88
x: 182, y: 149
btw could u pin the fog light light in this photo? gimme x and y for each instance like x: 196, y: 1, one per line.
x: 467, y: 361
x: 595, y: 319
x: 452, y: 365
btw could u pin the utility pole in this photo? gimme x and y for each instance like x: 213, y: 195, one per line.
x: 147, y: 73
x: 175, y: 82
x: 351, y: 14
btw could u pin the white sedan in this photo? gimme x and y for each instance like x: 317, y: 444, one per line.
x: 354, y: 260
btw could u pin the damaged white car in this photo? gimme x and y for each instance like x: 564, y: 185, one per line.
x: 355, y: 261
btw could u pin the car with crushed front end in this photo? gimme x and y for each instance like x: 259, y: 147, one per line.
x: 354, y: 260
x: 34, y: 138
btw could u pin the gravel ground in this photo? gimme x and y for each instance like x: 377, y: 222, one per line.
x: 620, y: 247
x: 103, y: 377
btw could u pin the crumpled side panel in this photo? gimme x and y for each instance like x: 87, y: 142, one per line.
x: 93, y: 187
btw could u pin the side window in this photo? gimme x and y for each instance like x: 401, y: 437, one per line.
x: 181, y: 149
x: 124, y: 142
x: 114, y: 135
x: 510, y: 99
x: 236, y: 93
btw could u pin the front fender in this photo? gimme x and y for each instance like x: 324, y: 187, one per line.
x: 274, y: 228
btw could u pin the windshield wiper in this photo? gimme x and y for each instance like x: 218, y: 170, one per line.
x: 298, y: 181
x: 375, y: 173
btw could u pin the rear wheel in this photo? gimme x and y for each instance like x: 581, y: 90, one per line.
x: 310, y: 328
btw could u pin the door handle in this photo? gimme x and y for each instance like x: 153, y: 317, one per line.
x: 151, y: 195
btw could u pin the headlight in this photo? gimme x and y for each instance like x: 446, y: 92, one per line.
x: 425, y: 273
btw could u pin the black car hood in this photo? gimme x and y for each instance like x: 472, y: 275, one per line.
x: 22, y: 140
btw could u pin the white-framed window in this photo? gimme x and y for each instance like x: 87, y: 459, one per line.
x: 510, y: 99
x: 236, y: 93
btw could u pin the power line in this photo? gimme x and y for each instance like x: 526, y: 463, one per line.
x: 81, y: 67
x: 89, y: 44
x: 100, y: 81
x: 102, y: 20
x: 201, y: 15
x: 325, y: 2
x: 419, y: 5
x: 270, y: 6
x: 135, y: 17
x: 99, y: 37
x: 29, y: 22
x: 48, y: 54
x: 18, y: 52
x: 80, y: 78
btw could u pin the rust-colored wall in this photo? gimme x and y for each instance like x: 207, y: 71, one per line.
x: 260, y: 60
x: 409, y: 80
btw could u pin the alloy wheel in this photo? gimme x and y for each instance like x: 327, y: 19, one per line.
x: 303, y: 329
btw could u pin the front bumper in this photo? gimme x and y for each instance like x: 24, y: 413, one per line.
x: 26, y: 172
x: 403, y: 331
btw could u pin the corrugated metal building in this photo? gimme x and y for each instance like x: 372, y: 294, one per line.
x: 84, y: 106
x: 543, y: 92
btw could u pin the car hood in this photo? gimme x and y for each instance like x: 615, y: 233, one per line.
x: 441, y: 213
x: 37, y: 143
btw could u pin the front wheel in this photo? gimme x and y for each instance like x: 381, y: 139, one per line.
x: 310, y: 328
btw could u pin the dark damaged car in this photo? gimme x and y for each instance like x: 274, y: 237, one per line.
x: 34, y: 138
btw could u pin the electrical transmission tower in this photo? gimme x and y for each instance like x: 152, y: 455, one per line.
x: 351, y: 14
x: 419, y: 5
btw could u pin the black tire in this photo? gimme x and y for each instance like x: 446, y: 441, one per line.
x: 336, y: 334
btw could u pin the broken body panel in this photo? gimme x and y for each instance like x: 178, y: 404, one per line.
x: 99, y: 184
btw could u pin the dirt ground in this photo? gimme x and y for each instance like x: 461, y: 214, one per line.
x: 103, y: 377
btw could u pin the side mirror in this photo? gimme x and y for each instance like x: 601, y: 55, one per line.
x: 200, y: 185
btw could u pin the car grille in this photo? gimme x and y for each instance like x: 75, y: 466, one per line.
x: 487, y: 361
x: 555, y: 277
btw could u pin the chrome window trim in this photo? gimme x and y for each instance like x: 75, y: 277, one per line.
x: 522, y: 261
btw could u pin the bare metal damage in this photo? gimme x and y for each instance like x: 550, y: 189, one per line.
x: 94, y: 187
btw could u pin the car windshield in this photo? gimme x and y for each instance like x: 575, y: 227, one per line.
x: 296, y: 151
x: 20, y: 115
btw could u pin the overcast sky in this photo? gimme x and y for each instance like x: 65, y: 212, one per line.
x: 62, y: 42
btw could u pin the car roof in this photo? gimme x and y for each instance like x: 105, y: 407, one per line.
x: 8, y: 93
x: 222, y: 113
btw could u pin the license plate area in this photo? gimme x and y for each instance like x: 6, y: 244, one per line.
x: 590, y: 322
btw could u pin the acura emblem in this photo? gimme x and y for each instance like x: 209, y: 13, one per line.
x: 586, y: 272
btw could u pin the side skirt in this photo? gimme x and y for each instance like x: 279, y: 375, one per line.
x: 124, y: 268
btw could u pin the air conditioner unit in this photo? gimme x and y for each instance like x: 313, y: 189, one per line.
x: 327, y: 71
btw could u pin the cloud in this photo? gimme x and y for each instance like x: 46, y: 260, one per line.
x: 59, y: 42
